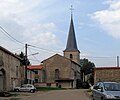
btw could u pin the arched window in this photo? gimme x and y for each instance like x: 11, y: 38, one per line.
x: 57, y: 74
x: 71, y: 56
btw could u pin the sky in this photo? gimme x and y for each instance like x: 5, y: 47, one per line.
x: 44, y: 25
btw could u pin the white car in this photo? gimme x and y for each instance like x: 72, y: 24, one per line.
x: 25, y: 87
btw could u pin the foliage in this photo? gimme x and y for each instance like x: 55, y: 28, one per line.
x: 87, y: 66
x: 86, y: 85
x: 23, y: 61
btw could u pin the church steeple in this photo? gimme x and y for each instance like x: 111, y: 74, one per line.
x: 71, y: 51
x: 71, y: 42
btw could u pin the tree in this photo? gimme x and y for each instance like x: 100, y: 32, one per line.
x: 87, y: 67
x: 23, y: 61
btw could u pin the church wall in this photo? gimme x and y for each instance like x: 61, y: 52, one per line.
x: 66, y: 84
x: 75, y: 73
x: 76, y: 56
x: 57, y: 62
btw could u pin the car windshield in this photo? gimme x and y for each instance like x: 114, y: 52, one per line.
x: 112, y: 86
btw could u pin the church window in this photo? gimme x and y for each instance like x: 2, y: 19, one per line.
x: 57, y: 73
x: 43, y: 76
x: 71, y: 56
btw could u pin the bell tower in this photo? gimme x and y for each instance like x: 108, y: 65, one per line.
x: 71, y: 51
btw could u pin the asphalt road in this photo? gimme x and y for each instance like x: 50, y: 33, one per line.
x: 77, y: 94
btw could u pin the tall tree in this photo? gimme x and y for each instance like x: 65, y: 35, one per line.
x: 87, y: 67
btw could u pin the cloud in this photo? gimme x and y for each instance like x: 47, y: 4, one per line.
x: 41, y: 34
x: 19, y: 18
x: 109, y: 18
x: 26, y: 21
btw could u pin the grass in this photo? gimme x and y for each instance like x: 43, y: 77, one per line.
x: 48, y: 88
x: 89, y: 92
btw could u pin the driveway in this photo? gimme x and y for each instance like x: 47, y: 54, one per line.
x: 77, y: 94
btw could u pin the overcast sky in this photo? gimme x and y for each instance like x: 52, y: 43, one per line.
x: 45, y: 24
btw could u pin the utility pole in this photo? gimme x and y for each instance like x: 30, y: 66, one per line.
x: 26, y: 63
x: 117, y: 61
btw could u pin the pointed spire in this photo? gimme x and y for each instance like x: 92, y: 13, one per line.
x: 71, y: 42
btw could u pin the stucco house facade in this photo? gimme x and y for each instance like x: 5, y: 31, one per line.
x: 36, y: 73
x: 9, y: 70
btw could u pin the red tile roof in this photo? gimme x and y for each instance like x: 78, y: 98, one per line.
x: 108, y: 68
x: 35, y: 67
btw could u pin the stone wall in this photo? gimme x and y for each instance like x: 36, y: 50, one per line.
x: 107, y: 74
x: 57, y: 62
x: 76, y: 56
x: 11, y: 65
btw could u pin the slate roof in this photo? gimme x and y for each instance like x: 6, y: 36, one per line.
x: 71, y: 42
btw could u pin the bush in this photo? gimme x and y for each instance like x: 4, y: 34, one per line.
x: 86, y: 85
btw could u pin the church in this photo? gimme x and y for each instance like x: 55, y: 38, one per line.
x: 64, y: 71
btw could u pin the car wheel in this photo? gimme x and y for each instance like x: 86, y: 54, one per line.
x: 102, y: 98
x: 32, y: 91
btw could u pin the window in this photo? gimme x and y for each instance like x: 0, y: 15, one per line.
x: 56, y: 73
x: 36, y: 71
x: 36, y: 80
x: 71, y: 56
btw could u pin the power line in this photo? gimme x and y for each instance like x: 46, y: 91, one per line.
x: 33, y: 55
x: 100, y: 57
x: 48, y: 50
x: 4, y: 31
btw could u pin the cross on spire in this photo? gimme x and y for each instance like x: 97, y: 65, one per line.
x: 71, y: 8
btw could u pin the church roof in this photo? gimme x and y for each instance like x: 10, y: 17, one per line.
x: 71, y: 42
x: 61, y: 57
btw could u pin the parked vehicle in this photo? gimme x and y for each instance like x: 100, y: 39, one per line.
x: 106, y: 91
x: 26, y: 87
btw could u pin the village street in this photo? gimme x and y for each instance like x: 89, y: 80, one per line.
x: 77, y: 94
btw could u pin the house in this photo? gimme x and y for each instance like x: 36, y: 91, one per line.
x: 63, y: 71
x: 107, y: 74
x: 37, y: 76
x: 9, y: 70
